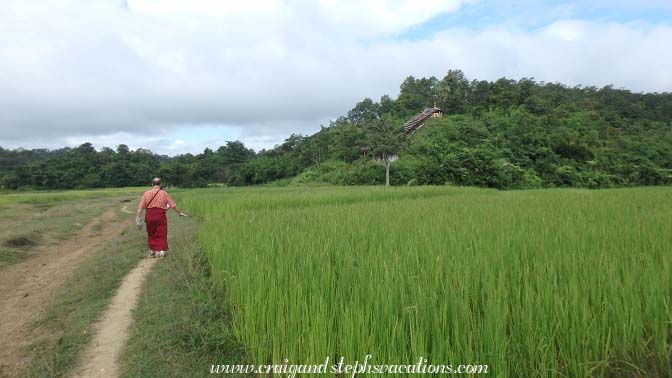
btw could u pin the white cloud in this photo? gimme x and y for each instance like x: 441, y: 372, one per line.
x: 114, y: 72
x: 567, y: 30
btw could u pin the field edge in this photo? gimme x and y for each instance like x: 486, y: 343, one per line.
x: 181, y: 324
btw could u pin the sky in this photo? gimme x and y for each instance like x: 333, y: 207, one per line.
x: 177, y: 76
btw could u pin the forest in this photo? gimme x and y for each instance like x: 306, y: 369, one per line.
x: 505, y: 134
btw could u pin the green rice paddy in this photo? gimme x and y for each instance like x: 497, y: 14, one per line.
x: 544, y: 283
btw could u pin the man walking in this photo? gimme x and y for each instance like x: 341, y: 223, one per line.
x: 155, y: 202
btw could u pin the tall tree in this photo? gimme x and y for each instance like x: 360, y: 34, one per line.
x: 452, y: 92
x: 385, y: 139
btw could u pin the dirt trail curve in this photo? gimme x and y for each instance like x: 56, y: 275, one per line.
x: 26, y: 288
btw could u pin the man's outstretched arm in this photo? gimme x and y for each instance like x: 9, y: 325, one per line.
x: 181, y: 213
x: 172, y: 205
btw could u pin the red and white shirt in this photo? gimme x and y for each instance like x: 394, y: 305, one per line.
x: 161, y: 200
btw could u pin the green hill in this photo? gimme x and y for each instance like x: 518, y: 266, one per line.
x: 503, y: 134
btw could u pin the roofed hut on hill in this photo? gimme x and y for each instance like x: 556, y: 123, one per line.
x: 420, y: 120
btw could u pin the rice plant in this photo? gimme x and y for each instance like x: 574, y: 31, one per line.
x: 546, y: 283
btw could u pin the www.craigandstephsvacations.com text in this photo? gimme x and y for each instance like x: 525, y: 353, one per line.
x: 350, y: 369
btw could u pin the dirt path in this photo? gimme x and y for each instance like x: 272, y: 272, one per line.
x: 100, y: 357
x: 26, y: 287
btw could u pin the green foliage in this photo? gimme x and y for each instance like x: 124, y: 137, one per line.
x: 84, y: 167
x: 362, y: 172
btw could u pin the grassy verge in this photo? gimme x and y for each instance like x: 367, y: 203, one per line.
x: 182, y: 324
x: 25, y: 229
x: 58, y: 196
x: 69, y: 317
x: 28, y: 228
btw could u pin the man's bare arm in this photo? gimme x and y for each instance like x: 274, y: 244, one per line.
x: 182, y: 214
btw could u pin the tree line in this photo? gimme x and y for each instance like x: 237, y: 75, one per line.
x: 503, y: 134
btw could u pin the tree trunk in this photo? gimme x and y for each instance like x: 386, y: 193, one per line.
x: 387, y: 172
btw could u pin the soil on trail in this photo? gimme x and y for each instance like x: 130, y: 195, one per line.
x: 27, y: 286
x: 100, y: 357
